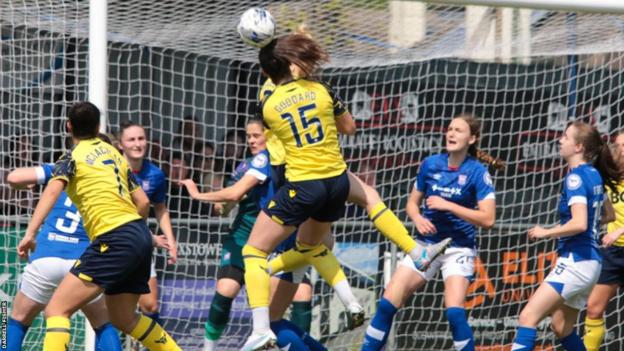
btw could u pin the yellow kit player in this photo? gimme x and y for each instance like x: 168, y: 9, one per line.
x: 100, y: 183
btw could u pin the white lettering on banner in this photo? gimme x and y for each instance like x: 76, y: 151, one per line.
x: 546, y: 149
x: 364, y: 106
x: 361, y: 106
x: 602, y: 116
x: 409, y: 107
x: 200, y: 249
x: 405, y: 143
x: 557, y: 116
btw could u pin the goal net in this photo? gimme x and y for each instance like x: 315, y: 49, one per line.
x: 404, y: 68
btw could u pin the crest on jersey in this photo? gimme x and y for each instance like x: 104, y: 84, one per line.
x: 145, y: 185
x: 260, y: 161
x: 461, y: 180
x: 574, y: 182
x: 487, y: 178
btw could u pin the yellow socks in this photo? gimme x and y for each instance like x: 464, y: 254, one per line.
x: 256, y: 277
x: 391, y: 227
x: 153, y: 336
x: 324, y: 261
x: 57, y: 334
x: 287, y: 261
x: 594, y: 333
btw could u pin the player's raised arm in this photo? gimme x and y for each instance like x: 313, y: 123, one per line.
x: 233, y: 193
x: 23, y: 178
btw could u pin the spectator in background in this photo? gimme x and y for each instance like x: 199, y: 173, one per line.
x: 232, y: 151
x: 205, y: 164
x: 21, y: 153
x: 180, y: 203
x: 157, y: 153
x: 188, y: 138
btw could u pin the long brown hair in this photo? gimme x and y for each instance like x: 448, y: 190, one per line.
x: 295, y: 48
x: 474, y: 124
x: 596, y: 151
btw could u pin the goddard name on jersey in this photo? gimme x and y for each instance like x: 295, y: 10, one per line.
x: 293, y: 100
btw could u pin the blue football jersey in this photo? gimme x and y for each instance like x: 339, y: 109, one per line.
x: 466, y: 186
x: 62, y: 234
x: 582, y: 185
x: 260, y: 168
x: 152, y: 180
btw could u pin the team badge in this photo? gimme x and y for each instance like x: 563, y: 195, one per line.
x: 292, y: 193
x: 574, y: 182
x: 145, y: 185
x: 260, y: 161
x: 487, y: 178
x: 461, y: 180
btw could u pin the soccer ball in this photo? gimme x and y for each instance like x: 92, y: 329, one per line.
x: 256, y: 27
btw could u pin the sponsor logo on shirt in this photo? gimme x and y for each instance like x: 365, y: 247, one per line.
x: 446, y: 191
x: 62, y: 238
x: 461, y: 180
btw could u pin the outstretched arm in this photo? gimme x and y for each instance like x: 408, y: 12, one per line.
x: 23, y: 178
x: 233, y: 193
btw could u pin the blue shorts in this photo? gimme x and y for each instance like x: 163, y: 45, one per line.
x: 278, y: 175
x: 322, y: 200
x: 612, y: 266
x: 118, y: 261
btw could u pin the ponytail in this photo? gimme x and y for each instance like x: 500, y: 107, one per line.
x: 597, y: 152
x: 489, y: 160
x: 608, y: 168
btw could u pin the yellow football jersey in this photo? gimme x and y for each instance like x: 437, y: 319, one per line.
x: 302, y: 115
x: 617, y: 200
x: 274, y: 145
x: 99, y: 182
